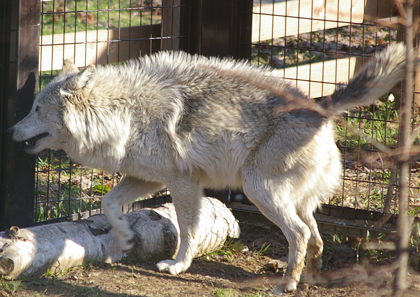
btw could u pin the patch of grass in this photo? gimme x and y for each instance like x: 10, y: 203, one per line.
x: 101, y: 189
x: 230, y: 247
x: 64, y: 207
x: 11, y: 286
x: 329, y: 239
x: 337, y: 238
x: 227, y: 254
x: 257, y: 293
x: 39, y: 213
x: 64, y: 188
x: 380, y: 125
x: 222, y: 292
x: 263, y: 249
x: 45, y: 77
x: 233, y: 245
x: 56, y: 272
x: 374, y: 256
x: 80, y: 15
x: 229, y: 292
x: 89, y: 264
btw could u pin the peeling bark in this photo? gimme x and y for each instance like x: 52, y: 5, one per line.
x: 33, y: 251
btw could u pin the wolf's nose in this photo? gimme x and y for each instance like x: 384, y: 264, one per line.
x: 10, y: 130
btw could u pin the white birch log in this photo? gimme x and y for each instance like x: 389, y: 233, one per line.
x: 33, y: 251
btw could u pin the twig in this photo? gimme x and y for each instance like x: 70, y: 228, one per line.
x: 401, y: 9
x: 388, y: 246
x: 403, y: 158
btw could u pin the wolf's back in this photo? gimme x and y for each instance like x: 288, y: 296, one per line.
x: 373, y: 80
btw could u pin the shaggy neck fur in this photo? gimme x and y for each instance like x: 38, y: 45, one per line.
x: 98, y: 143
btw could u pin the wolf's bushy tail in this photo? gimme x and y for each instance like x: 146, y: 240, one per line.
x: 373, y: 80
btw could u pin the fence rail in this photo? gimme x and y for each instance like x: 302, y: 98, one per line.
x: 285, y: 18
x: 98, y: 47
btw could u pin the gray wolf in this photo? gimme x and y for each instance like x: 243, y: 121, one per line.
x: 174, y: 119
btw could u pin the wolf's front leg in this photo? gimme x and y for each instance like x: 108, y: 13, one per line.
x: 186, y: 196
x: 126, y: 191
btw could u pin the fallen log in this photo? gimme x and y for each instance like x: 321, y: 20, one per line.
x: 33, y: 251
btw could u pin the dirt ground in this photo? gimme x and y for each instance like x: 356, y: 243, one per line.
x: 249, y: 268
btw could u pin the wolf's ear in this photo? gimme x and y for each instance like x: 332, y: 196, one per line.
x: 69, y: 67
x: 86, y: 79
x: 80, y: 84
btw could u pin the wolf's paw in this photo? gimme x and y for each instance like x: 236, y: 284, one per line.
x: 171, y: 266
x: 313, y: 265
x: 288, y: 286
x: 126, y: 242
x: 165, y: 264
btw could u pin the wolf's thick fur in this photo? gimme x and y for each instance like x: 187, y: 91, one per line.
x: 173, y: 119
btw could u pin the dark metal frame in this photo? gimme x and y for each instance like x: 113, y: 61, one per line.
x: 220, y: 28
x: 18, y: 83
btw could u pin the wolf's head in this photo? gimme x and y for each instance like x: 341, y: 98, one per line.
x: 44, y: 126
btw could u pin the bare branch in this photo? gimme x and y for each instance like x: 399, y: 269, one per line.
x: 388, y: 246
x: 400, y: 7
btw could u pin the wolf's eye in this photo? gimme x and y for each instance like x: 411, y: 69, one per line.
x: 37, y: 108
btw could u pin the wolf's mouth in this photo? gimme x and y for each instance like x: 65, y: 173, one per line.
x: 30, y: 143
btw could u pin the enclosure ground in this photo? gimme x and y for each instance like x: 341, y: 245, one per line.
x: 249, y: 268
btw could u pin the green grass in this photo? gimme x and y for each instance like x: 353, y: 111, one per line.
x: 82, y: 15
x: 11, y: 286
x: 380, y: 125
x: 229, y: 292
x: 64, y: 188
x: 257, y: 293
x: 222, y: 292
x: 45, y: 77
x: 263, y: 249
x: 58, y: 209
x: 230, y: 247
x: 359, y: 133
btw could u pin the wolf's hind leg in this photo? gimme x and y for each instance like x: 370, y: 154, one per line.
x: 186, y: 196
x: 126, y: 191
x: 277, y: 205
x: 315, y: 245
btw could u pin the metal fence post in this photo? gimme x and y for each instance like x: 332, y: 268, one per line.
x: 220, y: 28
x: 19, y: 48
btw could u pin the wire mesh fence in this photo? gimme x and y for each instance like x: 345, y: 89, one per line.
x: 317, y: 45
x: 91, y: 32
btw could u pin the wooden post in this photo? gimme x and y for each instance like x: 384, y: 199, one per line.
x: 20, y: 21
x: 171, y: 25
x: 404, y: 148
